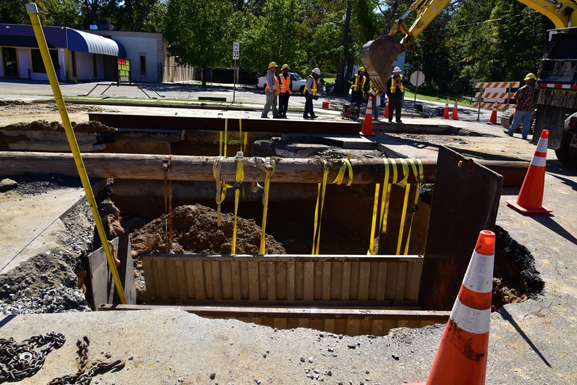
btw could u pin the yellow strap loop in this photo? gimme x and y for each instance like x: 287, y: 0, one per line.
x: 268, y: 172
x: 345, y: 164
x: 419, y: 176
x: 403, y: 182
x: 240, y: 136
x: 387, y: 193
x: 237, y: 185
x: 221, y: 187
x: 374, y: 243
x: 318, y: 216
x: 225, y: 135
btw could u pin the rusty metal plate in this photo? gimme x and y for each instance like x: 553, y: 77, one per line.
x: 192, y: 123
x: 465, y: 201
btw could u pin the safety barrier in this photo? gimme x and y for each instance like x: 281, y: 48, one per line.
x: 495, y: 94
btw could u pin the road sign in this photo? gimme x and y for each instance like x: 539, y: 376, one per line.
x: 408, y: 66
x: 417, y: 78
x: 235, y: 50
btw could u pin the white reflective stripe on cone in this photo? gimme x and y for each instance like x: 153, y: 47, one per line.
x: 471, y: 320
x: 539, y: 161
x: 479, y: 275
x: 542, y: 145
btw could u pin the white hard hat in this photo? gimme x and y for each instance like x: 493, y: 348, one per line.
x: 397, y: 69
x: 317, y: 71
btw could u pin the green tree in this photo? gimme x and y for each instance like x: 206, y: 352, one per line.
x: 200, y: 33
x: 275, y: 36
x: 51, y: 12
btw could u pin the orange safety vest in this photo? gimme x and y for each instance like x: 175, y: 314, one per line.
x: 314, y: 89
x: 394, y: 85
x: 285, y: 84
x: 275, y: 86
x: 355, y: 85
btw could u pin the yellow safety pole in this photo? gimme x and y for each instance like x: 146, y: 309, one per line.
x: 32, y: 10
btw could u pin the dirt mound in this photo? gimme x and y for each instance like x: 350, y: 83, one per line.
x: 195, y: 231
x: 43, y: 125
x: 13, y: 103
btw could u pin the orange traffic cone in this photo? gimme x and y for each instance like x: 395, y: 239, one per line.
x: 530, y: 199
x: 455, y: 112
x: 493, y: 119
x: 446, y: 112
x: 386, y: 114
x: 368, y: 123
x: 462, y: 354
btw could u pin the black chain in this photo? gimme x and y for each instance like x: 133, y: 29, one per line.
x: 84, y: 376
x: 18, y: 361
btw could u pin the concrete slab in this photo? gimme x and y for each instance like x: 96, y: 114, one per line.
x: 31, y: 223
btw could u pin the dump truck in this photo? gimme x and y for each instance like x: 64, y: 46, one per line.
x: 557, y: 84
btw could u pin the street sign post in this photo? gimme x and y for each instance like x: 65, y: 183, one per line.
x: 417, y: 78
x: 235, y: 57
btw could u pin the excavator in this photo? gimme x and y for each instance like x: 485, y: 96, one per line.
x: 556, y: 98
x: 378, y: 55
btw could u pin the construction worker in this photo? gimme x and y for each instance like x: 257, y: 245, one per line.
x: 285, y: 90
x: 310, y: 92
x: 358, y: 91
x: 525, y: 106
x: 395, y: 91
x: 376, y: 94
x: 271, y: 90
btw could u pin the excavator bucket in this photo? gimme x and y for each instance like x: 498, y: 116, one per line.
x: 378, y: 56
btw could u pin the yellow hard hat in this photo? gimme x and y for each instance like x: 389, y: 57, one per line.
x: 272, y: 64
x: 362, y: 69
x: 530, y: 76
x: 285, y: 66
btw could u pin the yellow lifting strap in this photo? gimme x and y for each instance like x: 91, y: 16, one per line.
x: 223, y: 143
x: 419, y: 176
x: 318, y: 216
x: 243, y: 139
x: 32, y: 10
x: 374, y: 243
x: 403, y: 183
x: 345, y: 164
x: 221, y: 187
x: 384, y: 202
x: 268, y: 165
x: 237, y: 186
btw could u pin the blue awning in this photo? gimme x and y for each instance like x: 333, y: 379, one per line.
x: 87, y: 42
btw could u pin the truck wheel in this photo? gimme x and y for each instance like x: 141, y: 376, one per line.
x: 302, y: 90
x: 566, y: 154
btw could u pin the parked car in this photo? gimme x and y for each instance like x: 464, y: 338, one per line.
x: 298, y: 83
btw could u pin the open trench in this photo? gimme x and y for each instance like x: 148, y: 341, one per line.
x: 346, y: 228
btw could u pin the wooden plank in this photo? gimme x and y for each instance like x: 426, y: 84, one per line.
x: 190, y: 280
x: 150, y: 278
x: 318, y: 280
x: 291, y: 276
x: 346, y: 285
x: 208, y: 284
x: 382, y: 281
x: 388, y: 325
x: 353, y: 327
x: 413, y: 281
x: 400, y: 290
x: 262, y: 280
x: 244, y: 280
x: 216, y: 281
x: 304, y: 322
x: 340, y: 326
x: 253, y: 286
x: 286, y: 258
x: 271, y: 280
x: 364, y: 276
x: 293, y: 323
x: 280, y: 323
x: 181, y: 280
x: 226, y: 279
x: 162, y: 280
x: 309, y: 278
x: 266, y: 321
x: 373, y: 280
x: 235, y: 276
x: 172, y: 276
x: 392, y: 279
x: 326, y: 286
x: 199, y: 280
x: 355, y: 271
x: 317, y: 324
x: 281, y: 280
x: 336, y: 280
x: 377, y: 329
x: 329, y: 325
x: 365, y: 327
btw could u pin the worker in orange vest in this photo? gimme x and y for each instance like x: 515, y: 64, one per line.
x: 358, y: 92
x: 285, y: 90
x: 310, y: 92
x: 271, y: 89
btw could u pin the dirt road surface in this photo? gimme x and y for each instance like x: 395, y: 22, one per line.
x: 530, y: 343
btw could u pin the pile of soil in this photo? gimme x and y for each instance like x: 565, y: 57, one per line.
x: 43, y: 125
x: 195, y: 230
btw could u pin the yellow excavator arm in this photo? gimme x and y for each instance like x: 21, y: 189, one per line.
x: 378, y: 55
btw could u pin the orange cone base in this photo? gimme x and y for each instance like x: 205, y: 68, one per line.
x: 527, y: 210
